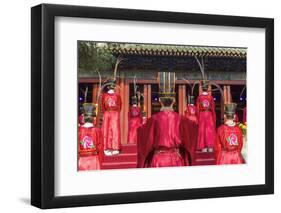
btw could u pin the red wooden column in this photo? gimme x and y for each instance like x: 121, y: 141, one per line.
x: 224, y: 94
x: 229, y: 94
x: 148, y: 100
x: 95, y: 93
x: 124, y: 93
x: 222, y: 109
x: 126, y: 106
x: 120, y: 90
x: 224, y: 100
x: 182, y: 99
x: 145, y: 99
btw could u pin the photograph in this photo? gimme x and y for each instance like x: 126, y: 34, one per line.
x: 138, y: 106
x: 152, y: 105
x: 149, y: 105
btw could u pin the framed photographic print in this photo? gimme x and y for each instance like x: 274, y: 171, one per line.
x: 139, y: 106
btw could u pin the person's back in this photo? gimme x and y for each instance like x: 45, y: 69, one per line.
x: 206, y: 120
x: 166, y: 140
x: 134, y: 121
x: 229, y: 140
x: 229, y: 144
x: 167, y: 129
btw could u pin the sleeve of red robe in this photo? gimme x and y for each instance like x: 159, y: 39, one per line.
x: 213, y: 109
x: 189, y: 133
x: 103, y: 102
x: 197, y: 107
x: 100, y: 144
x: 240, y: 145
x: 145, y: 138
x: 196, y: 113
x: 79, y: 137
x: 217, y: 146
x: 140, y: 146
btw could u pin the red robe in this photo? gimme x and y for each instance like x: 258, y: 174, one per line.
x: 229, y: 143
x: 89, y: 146
x: 167, y: 139
x: 135, y: 121
x: 191, y: 113
x: 207, y: 121
x: 111, y: 106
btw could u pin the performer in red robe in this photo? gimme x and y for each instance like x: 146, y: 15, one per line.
x: 229, y: 140
x: 89, y: 143
x: 111, y: 106
x: 191, y: 111
x: 135, y: 121
x: 167, y: 139
x: 207, y: 120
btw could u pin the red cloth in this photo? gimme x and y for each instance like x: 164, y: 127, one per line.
x: 191, y: 113
x: 135, y: 121
x: 167, y: 139
x: 229, y: 143
x: 207, y: 121
x: 111, y: 105
x: 89, y: 146
x: 245, y: 115
x: 88, y: 163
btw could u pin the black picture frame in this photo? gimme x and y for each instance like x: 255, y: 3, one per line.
x: 43, y: 102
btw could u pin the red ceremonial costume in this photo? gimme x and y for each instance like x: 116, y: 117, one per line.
x: 89, y: 147
x: 111, y: 105
x: 207, y: 121
x: 135, y: 121
x: 229, y: 144
x: 167, y: 139
x: 190, y: 113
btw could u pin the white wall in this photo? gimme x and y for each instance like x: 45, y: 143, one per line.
x: 15, y: 89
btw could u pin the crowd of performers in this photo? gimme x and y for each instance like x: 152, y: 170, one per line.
x: 166, y: 139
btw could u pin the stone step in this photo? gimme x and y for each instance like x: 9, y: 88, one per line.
x: 119, y: 165
x: 123, y: 157
x: 129, y: 148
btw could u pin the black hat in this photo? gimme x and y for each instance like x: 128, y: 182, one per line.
x: 88, y: 109
x: 111, y: 83
x: 230, y: 108
x: 205, y: 85
x: 134, y: 99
